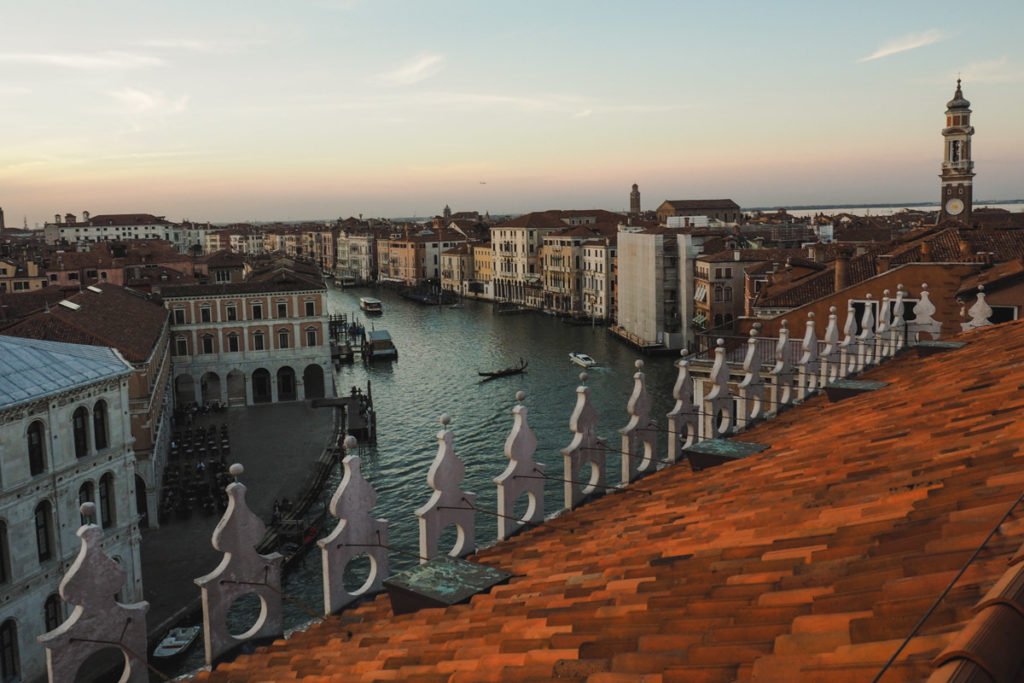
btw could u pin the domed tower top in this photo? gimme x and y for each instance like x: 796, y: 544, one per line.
x: 958, y: 101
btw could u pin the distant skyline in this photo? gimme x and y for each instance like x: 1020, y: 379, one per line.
x: 258, y: 110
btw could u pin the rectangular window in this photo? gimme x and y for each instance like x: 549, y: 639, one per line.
x: 310, y: 337
x: 310, y: 308
x: 179, y: 315
x: 72, y: 276
x: 207, y: 344
x: 282, y: 339
x: 257, y: 311
x: 232, y: 312
x: 257, y: 341
x: 282, y: 309
x: 180, y: 346
x: 223, y: 276
x: 233, y: 343
x: 205, y: 314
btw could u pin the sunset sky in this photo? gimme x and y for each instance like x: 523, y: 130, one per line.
x: 229, y: 110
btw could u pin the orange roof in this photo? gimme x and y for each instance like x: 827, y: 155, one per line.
x: 810, y: 561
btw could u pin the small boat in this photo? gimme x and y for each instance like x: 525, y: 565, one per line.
x: 514, y: 370
x: 370, y: 304
x: 176, y: 641
x: 582, y: 360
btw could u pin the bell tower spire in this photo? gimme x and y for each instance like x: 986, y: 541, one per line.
x: 957, y: 167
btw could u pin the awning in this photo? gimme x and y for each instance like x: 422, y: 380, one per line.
x: 702, y: 293
x: 700, y: 319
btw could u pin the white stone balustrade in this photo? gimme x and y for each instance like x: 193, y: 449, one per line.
x: 848, y: 347
x: 98, y: 621
x: 719, y: 414
x: 782, y: 372
x: 356, y: 534
x: 586, y: 451
x: 683, y: 420
x: 980, y: 312
x: 882, y: 350
x: 241, y: 572
x: 640, y: 435
x: 448, y: 503
x: 831, y: 355
x: 898, y: 326
x: 808, y: 367
x: 522, y: 476
x: 750, y: 395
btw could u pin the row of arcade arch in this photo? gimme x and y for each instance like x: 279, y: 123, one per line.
x: 261, y: 386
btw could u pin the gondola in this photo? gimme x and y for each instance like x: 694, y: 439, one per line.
x: 514, y: 370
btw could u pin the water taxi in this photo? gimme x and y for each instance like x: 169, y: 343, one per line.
x: 378, y: 346
x: 370, y: 304
x: 582, y: 360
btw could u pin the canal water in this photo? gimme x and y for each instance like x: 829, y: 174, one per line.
x: 440, y: 352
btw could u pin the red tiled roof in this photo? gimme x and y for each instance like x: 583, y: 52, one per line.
x: 810, y: 561
x: 691, y: 204
x: 115, y: 317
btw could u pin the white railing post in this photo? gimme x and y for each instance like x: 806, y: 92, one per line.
x: 782, y: 371
x: 586, y: 448
x: 448, y: 504
x: 682, y: 419
x: 639, y: 436
x: 751, y: 388
x: 719, y: 414
x: 831, y: 356
x: 523, y: 475
x: 808, y: 365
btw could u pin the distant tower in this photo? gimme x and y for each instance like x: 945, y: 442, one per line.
x: 2, y: 225
x: 957, y: 167
x: 634, y: 200
x: 447, y: 211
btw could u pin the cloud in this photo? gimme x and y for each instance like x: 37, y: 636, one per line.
x: 583, y: 114
x: 904, y: 43
x: 96, y: 60
x: 140, y: 102
x: 413, y: 71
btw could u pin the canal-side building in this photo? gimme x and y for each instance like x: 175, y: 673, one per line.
x: 259, y: 341
x: 563, y: 266
x: 517, y: 247
x: 106, y: 315
x: 66, y: 439
x: 457, y: 269
x: 481, y: 286
x: 416, y: 258
x: 597, y: 283
x: 725, y: 210
x: 355, y: 257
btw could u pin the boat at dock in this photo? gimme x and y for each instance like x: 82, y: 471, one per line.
x: 514, y: 370
x: 377, y: 345
x: 176, y: 642
x: 371, y: 305
x: 582, y: 360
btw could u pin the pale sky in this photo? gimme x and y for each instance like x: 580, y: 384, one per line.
x: 228, y: 110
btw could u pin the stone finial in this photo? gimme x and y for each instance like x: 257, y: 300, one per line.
x: 898, y: 326
x: 242, y: 571
x: 683, y: 420
x: 98, y: 621
x: 357, y: 533
x: 808, y: 366
x: 923, y: 321
x: 640, y: 435
x: 848, y: 346
x: 751, y: 388
x: 782, y: 371
x: 882, y: 340
x: 830, y: 355
x: 523, y: 475
x: 586, y: 448
x: 980, y: 312
x: 719, y: 414
x: 448, y: 504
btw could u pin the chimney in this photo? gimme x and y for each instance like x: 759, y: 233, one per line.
x: 884, y: 262
x: 926, y: 252
x: 965, y: 249
x: 843, y: 254
x: 736, y: 255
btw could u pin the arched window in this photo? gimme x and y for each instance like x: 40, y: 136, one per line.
x: 53, y: 611
x: 44, y: 534
x: 79, y: 420
x: 10, y: 668
x: 310, y: 336
x: 107, y: 500
x: 5, y: 555
x: 36, y: 448
x: 86, y: 494
x: 99, y: 425
x: 282, y: 339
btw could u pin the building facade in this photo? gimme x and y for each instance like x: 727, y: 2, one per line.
x: 107, y: 227
x: 66, y: 439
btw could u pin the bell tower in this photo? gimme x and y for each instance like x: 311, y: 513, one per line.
x: 957, y: 167
x: 634, y: 200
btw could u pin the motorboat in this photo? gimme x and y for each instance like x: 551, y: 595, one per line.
x: 176, y: 641
x: 377, y: 345
x: 371, y: 305
x: 582, y: 360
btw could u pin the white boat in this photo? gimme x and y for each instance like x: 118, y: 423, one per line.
x: 177, y: 641
x: 377, y: 345
x: 370, y: 304
x: 582, y: 360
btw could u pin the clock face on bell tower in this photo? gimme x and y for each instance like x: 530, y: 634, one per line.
x: 957, y: 166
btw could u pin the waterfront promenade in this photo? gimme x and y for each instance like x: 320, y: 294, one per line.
x: 278, y: 444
